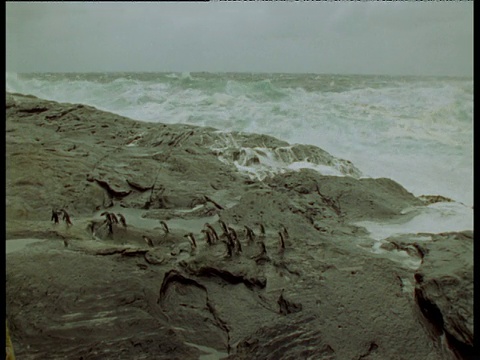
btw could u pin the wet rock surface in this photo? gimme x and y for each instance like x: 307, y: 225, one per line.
x: 444, y: 290
x: 94, y: 290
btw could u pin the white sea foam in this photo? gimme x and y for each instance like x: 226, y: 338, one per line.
x: 268, y: 165
x: 399, y: 256
x: 261, y: 162
x: 417, y: 131
x: 434, y: 218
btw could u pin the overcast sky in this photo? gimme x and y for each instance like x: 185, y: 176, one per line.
x: 399, y: 38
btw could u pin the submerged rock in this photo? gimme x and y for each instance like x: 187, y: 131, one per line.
x: 432, y: 199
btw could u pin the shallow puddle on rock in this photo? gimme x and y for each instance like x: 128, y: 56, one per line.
x: 434, y: 218
x: 211, y: 353
x: 191, y: 225
x: 400, y: 256
x: 18, y: 244
x: 134, y: 217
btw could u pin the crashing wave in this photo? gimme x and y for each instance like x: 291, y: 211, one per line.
x: 261, y: 156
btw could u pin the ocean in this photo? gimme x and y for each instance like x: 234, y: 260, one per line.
x: 417, y: 131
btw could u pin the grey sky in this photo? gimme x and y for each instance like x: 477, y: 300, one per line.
x: 427, y: 38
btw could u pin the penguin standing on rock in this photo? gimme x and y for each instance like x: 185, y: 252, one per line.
x: 190, y: 237
x: 108, y: 220
x: 236, y: 242
x: 230, y: 247
x: 224, y: 228
x: 208, y: 236
x: 122, y: 220
x: 66, y: 217
x: 212, y: 231
x: 164, y: 226
x: 148, y: 240
x: 262, y: 256
x: 262, y: 229
x: 114, y: 218
x: 91, y: 227
x: 250, y: 235
x: 232, y: 232
x: 263, y: 251
x: 54, y: 218
x: 282, y: 240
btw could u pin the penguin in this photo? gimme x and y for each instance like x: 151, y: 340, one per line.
x: 54, y: 216
x: 250, y: 234
x: 91, y: 227
x: 263, y: 249
x: 212, y: 230
x: 224, y: 227
x: 107, y: 215
x: 208, y: 236
x: 230, y: 247
x: 282, y: 240
x: 190, y: 237
x: 262, y: 256
x: 148, y: 240
x: 114, y: 218
x: 262, y: 229
x: 238, y: 246
x: 285, y: 232
x: 233, y: 233
x: 66, y: 217
x: 108, y: 220
x: 236, y: 242
x: 164, y: 226
x: 122, y: 220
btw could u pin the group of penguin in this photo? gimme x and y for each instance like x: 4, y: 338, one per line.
x: 229, y: 235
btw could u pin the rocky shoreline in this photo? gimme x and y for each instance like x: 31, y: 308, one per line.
x: 86, y: 292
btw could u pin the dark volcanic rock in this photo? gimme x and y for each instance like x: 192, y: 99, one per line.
x: 60, y: 307
x: 352, y: 198
x: 292, y: 339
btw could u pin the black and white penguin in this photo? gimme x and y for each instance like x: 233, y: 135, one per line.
x: 236, y: 242
x: 224, y: 227
x: 250, y: 234
x: 212, y: 230
x: 282, y: 240
x: 164, y: 226
x: 66, y: 217
x: 148, y: 240
x: 208, y: 236
x: 54, y: 218
x: 108, y: 220
x: 190, y: 237
x: 262, y: 229
x: 122, y: 220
